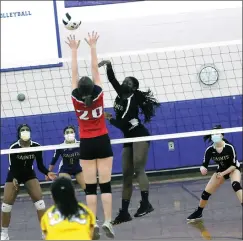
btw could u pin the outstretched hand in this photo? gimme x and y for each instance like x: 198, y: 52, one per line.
x: 72, y: 43
x: 104, y: 62
x: 92, y: 39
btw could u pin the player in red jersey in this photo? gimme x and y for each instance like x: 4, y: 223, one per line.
x: 95, y: 146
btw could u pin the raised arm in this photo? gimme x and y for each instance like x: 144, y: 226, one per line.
x: 73, y: 44
x: 111, y: 75
x: 92, y: 41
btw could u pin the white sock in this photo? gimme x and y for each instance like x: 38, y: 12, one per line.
x: 4, y: 230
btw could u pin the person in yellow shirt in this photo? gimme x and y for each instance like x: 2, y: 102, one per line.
x: 67, y: 219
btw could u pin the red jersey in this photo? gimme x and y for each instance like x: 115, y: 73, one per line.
x: 91, y: 119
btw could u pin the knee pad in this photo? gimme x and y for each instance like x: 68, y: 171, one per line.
x: 205, y: 195
x: 236, y: 186
x: 40, y: 205
x: 91, y: 189
x: 105, y: 187
x: 6, y: 208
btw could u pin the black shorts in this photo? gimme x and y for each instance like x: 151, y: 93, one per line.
x: 72, y: 170
x: 95, y: 148
x: 139, y: 131
x: 23, y: 177
x: 221, y: 169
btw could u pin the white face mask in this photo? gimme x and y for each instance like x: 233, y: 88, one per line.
x: 70, y: 137
x: 25, y: 135
x: 216, y: 138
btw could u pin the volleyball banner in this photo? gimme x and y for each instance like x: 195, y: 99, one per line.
x: 29, y: 34
x: 83, y: 3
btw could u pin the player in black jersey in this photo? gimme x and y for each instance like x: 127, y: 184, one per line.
x: 70, y: 164
x: 128, y: 103
x: 21, y: 171
x: 223, y: 153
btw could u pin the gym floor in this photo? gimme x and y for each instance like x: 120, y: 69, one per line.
x: 173, y: 202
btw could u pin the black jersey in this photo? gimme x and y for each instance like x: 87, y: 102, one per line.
x: 127, y: 111
x: 69, y: 156
x: 20, y: 163
x: 225, y: 159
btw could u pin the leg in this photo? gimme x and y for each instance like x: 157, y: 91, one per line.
x: 62, y: 174
x: 104, y: 170
x: 235, y: 178
x: 211, y: 187
x: 90, y: 178
x: 127, y: 187
x: 9, y: 198
x: 140, y: 156
x: 35, y: 192
x: 80, y: 180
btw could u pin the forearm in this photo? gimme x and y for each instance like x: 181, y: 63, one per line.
x: 74, y: 69
x: 94, y: 61
x: 229, y: 170
x: 51, y: 167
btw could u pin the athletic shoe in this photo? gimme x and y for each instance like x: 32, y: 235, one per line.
x: 43, y: 236
x: 144, y: 209
x: 194, y: 216
x: 96, y: 235
x: 97, y: 220
x: 108, y: 228
x: 4, y: 236
x: 122, y: 217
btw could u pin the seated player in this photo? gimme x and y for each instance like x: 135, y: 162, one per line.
x: 70, y: 164
x: 21, y: 171
x: 224, y: 154
x: 67, y: 219
x: 128, y: 103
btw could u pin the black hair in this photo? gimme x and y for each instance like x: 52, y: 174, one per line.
x: 208, y: 138
x: 63, y: 194
x: 85, y: 86
x: 68, y: 127
x: 20, y: 127
x: 146, y: 101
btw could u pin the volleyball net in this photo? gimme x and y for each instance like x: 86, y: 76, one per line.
x: 198, y: 87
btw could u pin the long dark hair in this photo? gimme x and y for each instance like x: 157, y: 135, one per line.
x: 63, y: 194
x: 208, y: 138
x: 146, y: 101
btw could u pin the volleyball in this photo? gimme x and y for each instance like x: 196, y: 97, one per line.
x: 69, y: 23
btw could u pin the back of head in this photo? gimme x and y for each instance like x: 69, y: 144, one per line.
x: 85, y: 89
x: 63, y: 194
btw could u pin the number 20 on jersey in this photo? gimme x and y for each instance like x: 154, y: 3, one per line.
x: 90, y: 114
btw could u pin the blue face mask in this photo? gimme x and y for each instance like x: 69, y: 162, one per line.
x: 216, y: 138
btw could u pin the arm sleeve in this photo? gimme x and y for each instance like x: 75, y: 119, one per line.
x: 14, y: 168
x: 112, y: 79
x: 40, y: 164
x: 234, y: 157
x: 207, y: 157
x: 55, y: 157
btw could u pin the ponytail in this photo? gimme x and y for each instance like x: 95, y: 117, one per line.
x: 147, y: 103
